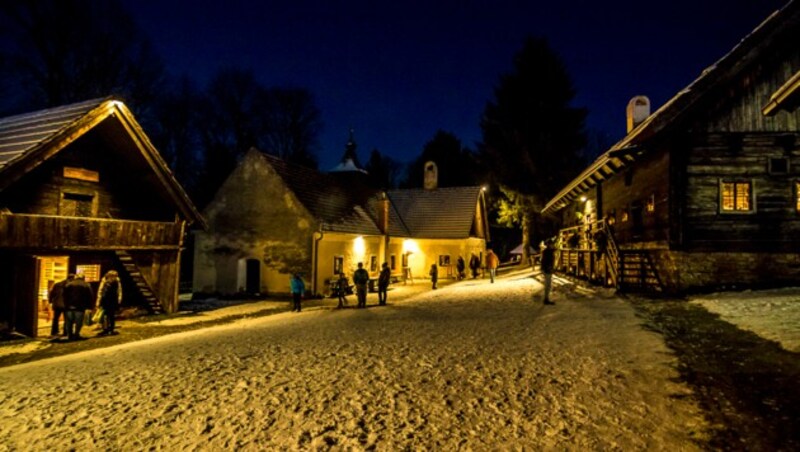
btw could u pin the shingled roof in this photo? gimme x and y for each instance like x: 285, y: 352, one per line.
x: 353, y: 208
x: 29, y: 139
x: 629, y: 148
x: 442, y: 213
x: 339, y: 207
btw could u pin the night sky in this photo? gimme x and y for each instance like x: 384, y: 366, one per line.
x: 396, y: 72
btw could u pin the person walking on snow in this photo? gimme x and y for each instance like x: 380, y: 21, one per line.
x: 342, y: 290
x: 548, y: 262
x: 56, y: 298
x: 360, y: 279
x: 492, y: 262
x: 434, y: 275
x: 460, y: 266
x: 109, y: 298
x: 383, y: 283
x: 298, y: 288
x: 78, y: 298
x: 474, y: 265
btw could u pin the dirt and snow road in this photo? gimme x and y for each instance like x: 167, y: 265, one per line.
x: 473, y: 366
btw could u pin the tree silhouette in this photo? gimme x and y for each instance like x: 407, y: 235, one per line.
x: 383, y: 171
x: 456, y: 164
x: 63, y: 51
x: 532, y: 137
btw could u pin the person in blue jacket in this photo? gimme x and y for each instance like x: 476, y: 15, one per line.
x: 298, y: 289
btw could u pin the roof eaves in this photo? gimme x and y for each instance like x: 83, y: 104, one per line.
x: 667, y: 114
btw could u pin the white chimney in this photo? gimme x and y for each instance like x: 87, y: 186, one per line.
x: 638, y: 110
x: 431, y: 177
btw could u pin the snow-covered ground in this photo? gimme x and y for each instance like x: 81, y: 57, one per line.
x: 474, y: 366
x: 772, y: 314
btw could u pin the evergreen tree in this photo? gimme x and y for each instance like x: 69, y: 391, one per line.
x: 532, y: 136
x: 383, y: 171
x: 457, y: 165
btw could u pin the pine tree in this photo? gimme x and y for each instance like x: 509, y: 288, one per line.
x: 532, y: 136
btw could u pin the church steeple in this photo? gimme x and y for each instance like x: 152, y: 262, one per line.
x: 349, y: 160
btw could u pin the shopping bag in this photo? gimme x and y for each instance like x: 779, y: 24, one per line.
x: 98, y: 314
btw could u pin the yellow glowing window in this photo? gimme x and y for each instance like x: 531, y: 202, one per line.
x: 797, y: 196
x: 651, y: 203
x: 736, y: 196
x: 91, y: 273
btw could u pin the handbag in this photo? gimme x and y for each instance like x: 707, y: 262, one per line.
x: 98, y: 314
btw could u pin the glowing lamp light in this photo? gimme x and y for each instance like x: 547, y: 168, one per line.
x: 410, y: 246
x: 359, y: 247
x: 583, y: 198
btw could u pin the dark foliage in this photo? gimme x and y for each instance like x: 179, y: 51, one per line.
x: 531, y: 135
x: 62, y: 51
x: 457, y: 165
x: 383, y: 171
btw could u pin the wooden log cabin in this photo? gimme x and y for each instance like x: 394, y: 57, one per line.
x: 82, y: 190
x: 705, y: 192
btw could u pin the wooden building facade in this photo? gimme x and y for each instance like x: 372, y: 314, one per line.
x: 271, y: 218
x: 82, y: 190
x: 705, y: 192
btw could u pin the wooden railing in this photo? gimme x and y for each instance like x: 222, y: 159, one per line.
x: 55, y: 232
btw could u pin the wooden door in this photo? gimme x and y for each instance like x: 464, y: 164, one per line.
x: 24, y: 312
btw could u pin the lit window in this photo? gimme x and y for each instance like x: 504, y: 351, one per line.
x: 797, y: 196
x: 624, y: 215
x: 91, y: 273
x: 736, y: 196
x: 651, y: 203
x: 338, y: 264
x: 373, y: 263
x: 444, y: 260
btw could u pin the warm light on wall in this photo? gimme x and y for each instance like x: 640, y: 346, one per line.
x: 359, y: 247
x: 410, y: 246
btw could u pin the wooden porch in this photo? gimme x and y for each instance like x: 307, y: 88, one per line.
x: 80, y: 233
x: 591, y: 252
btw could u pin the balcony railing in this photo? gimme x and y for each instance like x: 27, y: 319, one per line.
x: 55, y: 232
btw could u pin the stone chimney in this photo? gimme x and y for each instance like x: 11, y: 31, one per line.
x: 431, y: 176
x: 638, y: 110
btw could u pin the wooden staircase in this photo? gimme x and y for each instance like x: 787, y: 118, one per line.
x: 637, y: 272
x: 142, y: 286
x: 631, y: 270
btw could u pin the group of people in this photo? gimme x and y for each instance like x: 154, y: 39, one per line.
x: 73, y: 298
x: 360, y: 280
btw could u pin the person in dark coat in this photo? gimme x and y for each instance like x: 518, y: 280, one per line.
x: 434, y: 275
x: 474, y: 265
x: 56, y: 299
x: 460, y: 267
x: 548, y: 262
x: 78, y: 298
x: 383, y: 283
x: 341, y: 290
x: 361, y: 279
x: 109, y: 298
x: 298, y: 289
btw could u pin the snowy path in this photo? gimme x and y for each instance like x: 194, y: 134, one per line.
x: 474, y: 366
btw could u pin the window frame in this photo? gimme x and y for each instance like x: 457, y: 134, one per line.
x: 735, y: 182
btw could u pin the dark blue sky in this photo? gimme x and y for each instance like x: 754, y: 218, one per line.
x: 397, y: 72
